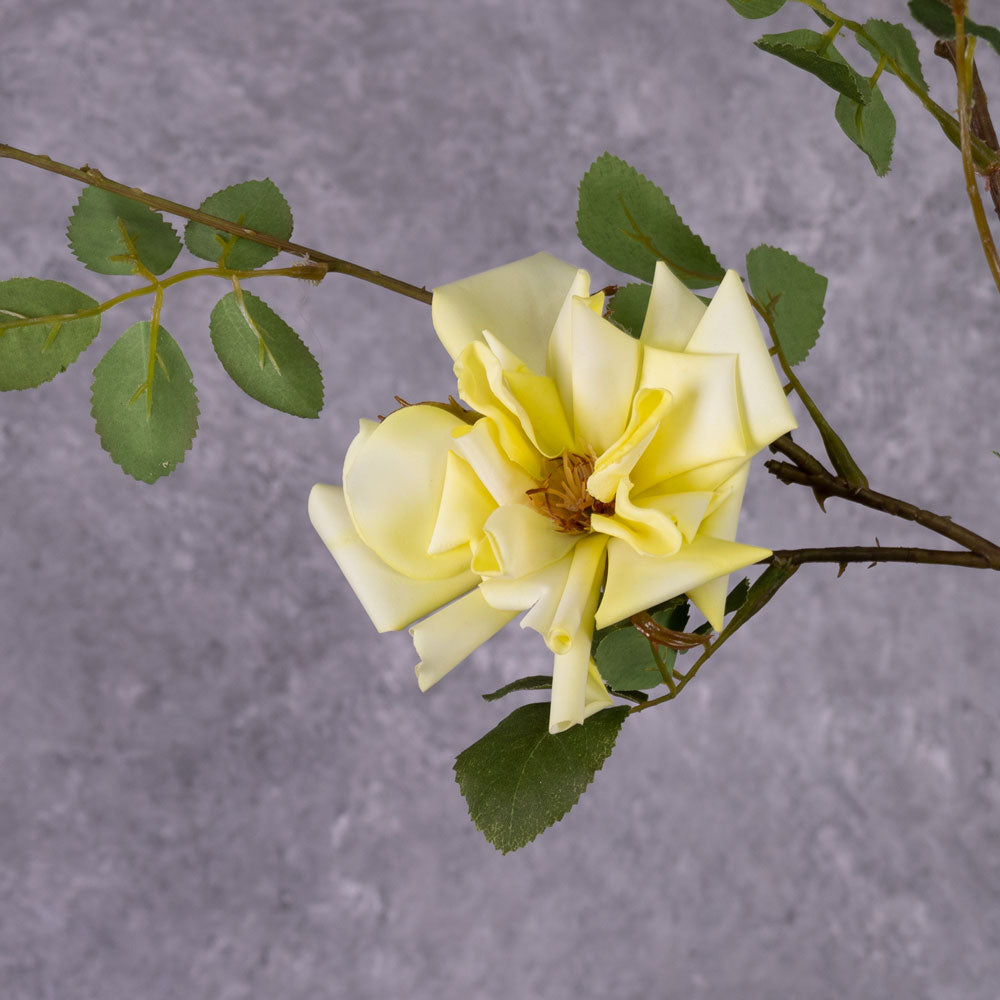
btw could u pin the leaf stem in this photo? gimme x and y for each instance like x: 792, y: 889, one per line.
x: 89, y: 175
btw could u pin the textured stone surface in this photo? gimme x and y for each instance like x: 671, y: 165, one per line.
x: 217, y: 783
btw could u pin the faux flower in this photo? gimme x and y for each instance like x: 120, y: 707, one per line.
x: 589, y: 475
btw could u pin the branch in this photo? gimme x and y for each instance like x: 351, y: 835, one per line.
x: 872, y: 554
x: 89, y: 175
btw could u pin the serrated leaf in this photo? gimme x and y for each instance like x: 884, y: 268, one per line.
x: 519, y: 779
x: 108, y: 233
x: 148, y: 440
x: 625, y: 659
x: 628, y: 307
x: 871, y: 127
x: 627, y: 221
x: 36, y: 353
x: 537, y: 682
x: 265, y: 357
x: 938, y: 20
x: 897, y: 43
x: 756, y: 8
x: 793, y: 293
x: 255, y: 204
x: 801, y: 48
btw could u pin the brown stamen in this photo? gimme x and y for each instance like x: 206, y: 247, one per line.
x: 563, y: 497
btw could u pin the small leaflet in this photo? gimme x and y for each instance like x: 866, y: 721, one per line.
x: 809, y: 50
x: 753, y: 9
x: 871, y: 127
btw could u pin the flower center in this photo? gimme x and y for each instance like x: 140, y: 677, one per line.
x: 562, y: 495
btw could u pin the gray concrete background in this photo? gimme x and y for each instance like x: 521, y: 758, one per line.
x: 216, y: 781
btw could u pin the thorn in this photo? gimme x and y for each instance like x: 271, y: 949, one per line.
x: 842, y: 570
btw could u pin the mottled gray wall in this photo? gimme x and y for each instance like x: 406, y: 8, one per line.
x: 216, y: 781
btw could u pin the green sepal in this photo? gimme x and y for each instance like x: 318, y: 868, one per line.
x: 938, y: 20
x: 627, y: 221
x: 759, y: 593
x: 753, y: 9
x: 896, y: 41
x: 36, y: 353
x: 103, y: 225
x: 871, y: 127
x: 628, y: 306
x: 792, y: 293
x: 148, y: 439
x: 625, y: 659
x: 255, y: 204
x: 737, y: 597
x: 519, y: 779
x: 265, y: 357
x: 801, y: 48
x: 536, y: 682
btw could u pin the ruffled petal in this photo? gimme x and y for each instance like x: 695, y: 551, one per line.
x: 636, y: 582
x: 391, y: 599
x: 704, y: 424
x: 479, y: 445
x: 605, y: 369
x: 645, y: 527
x: 649, y: 408
x: 465, y: 506
x: 518, y: 303
x: 673, y: 313
x: 575, y: 606
x: 393, y: 486
x: 449, y: 636
x: 559, y: 361
x: 521, y: 542
x: 729, y: 326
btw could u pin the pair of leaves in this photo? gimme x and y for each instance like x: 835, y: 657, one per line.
x: 112, y: 234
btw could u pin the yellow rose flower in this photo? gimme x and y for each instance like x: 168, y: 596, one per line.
x: 597, y: 476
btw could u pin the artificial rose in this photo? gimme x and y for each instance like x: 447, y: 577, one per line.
x: 596, y: 476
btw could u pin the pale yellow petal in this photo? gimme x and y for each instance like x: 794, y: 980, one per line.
x: 393, y: 487
x: 573, y: 682
x: 721, y: 522
x: 536, y: 404
x: 451, y: 634
x: 704, y: 424
x: 703, y: 477
x: 729, y: 326
x: 605, y: 369
x: 648, y: 411
x: 673, y: 313
x: 465, y: 505
x: 646, y: 527
x: 636, y: 582
x: 559, y: 363
x: 518, y: 303
x: 538, y: 593
x: 479, y: 445
x: 391, y: 599
x: 596, y: 696
x: 586, y: 572
x: 521, y: 541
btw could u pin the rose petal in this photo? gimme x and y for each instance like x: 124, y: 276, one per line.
x: 636, y: 582
x: 518, y: 303
x: 729, y: 326
x: 648, y: 529
x: 673, y: 313
x: 521, y: 542
x: 391, y: 600
x: 393, y: 487
x: 479, y: 445
x: 465, y: 506
x: 449, y: 636
x: 575, y: 607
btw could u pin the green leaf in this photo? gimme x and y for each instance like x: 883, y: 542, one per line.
x: 255, y: 204
x: 802, y: 48
x: 519, y: 779
x: 628, y: 307
x: 793, y: 293
x: 938, y: 20
x: 537, y: 682
x: 627, y: 221
x: 871, y: 127
x: 761, y: 591
x: 33, y: 354
x: 737, y: 597
x: 625, y: 659
x: 111, y: 234
x: 756, y: 8
x: 147, y: 438
x: 897, y: 43
x: 265, y: 357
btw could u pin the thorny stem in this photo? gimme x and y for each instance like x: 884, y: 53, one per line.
x: 337, y: 265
